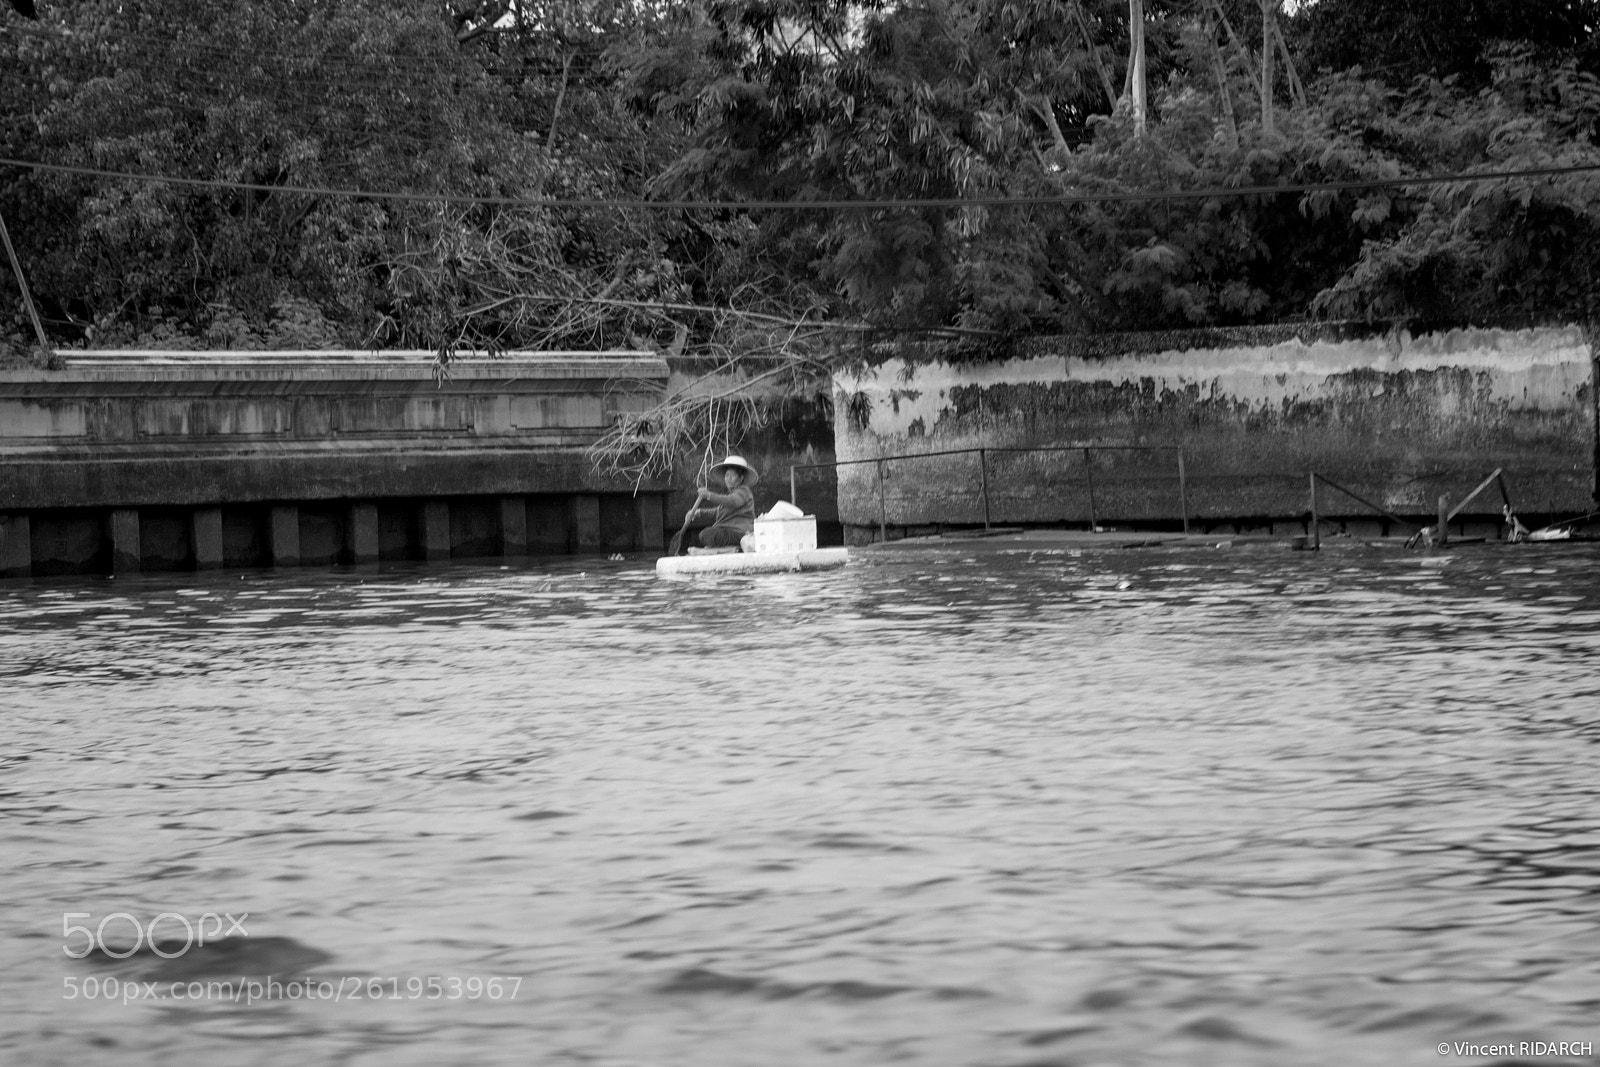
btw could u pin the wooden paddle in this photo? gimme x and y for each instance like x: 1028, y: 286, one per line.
x: 677, y: 538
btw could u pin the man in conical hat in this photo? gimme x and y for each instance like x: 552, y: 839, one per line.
x: 733, y: 514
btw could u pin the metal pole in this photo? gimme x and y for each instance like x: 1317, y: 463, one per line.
x: 883, y: 511
x: 1510, y: 516
x: 983, y: 476
x: 1505, y: 494
x: 1183, y: 494
x: 22, y: 282
x: 793, y: 494
x: 1316, y: 523
x: 1470, y: 497
x: 1594, y: 386
x: 1088, y: 468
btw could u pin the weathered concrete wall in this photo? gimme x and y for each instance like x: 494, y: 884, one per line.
x: 148, y: 428
x: 1399, y: 420
x: 207, y: 458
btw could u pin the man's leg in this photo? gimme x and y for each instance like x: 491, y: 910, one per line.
x: 720, y: 536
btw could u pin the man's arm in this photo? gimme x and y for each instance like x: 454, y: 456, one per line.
x: 739, y: 496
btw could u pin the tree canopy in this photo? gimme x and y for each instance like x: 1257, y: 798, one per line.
x: 1233, y: 201
x: 1400, y: 42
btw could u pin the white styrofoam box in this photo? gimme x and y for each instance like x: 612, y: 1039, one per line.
x: 786, y: 535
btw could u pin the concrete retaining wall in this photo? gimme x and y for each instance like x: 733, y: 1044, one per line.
x: 128, y: 460
x: 1399, y: 420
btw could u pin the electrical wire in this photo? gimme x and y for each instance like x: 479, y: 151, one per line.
x: 1056, y: 200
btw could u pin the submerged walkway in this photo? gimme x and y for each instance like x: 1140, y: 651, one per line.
x: 1011, y: 539
x: 1017, y: 539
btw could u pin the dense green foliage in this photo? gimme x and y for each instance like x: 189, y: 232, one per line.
x: 536, y: 102
x: 1400, y: 42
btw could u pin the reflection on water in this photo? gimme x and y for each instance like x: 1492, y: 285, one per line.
x: 1236, y: 807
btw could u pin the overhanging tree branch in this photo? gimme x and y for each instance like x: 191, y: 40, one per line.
x: 22, y: 283
x: 756, y: 316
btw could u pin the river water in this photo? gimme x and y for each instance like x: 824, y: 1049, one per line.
x: 1234, y: 806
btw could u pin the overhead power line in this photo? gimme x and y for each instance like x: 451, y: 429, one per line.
x: 1047, y: 200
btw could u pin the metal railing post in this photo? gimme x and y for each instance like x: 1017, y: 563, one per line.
x: 983, y: 477
x: 1183, y: 493
x: 1316, y: 524
x: 883, y: 510
x: 1088, y: 468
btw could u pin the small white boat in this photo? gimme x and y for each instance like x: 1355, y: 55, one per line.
x: 810, y: 559
x: 1552, y: 533
x: 784, y: 540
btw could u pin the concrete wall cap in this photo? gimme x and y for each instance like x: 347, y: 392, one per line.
x: 330, y: 355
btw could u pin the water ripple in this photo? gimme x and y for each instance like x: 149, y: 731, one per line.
x: 1242, y: 807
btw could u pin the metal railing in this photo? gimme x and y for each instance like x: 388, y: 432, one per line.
x: 1446, y: 512
x: 983, y: 475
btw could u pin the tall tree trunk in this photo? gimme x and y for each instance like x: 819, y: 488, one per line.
x: 1269, y: 32
x: 555, y: 125
x: 1136, y: 80
x: 1041, y: 106
x: 1297, y: 88
x: 1233, y: 38
x: 1094, y: 55
x: 1219, y: 70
